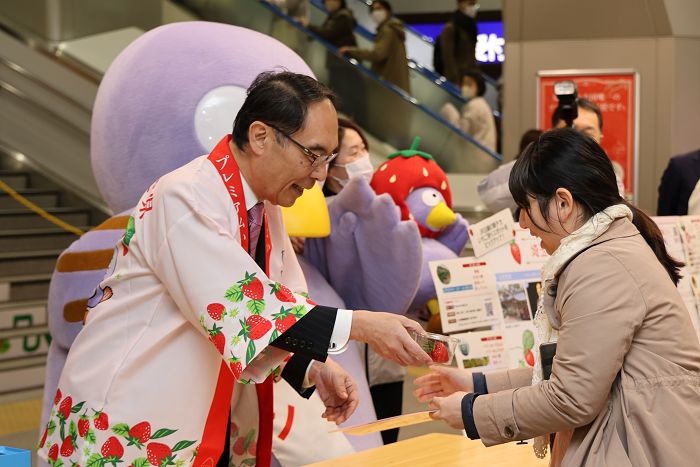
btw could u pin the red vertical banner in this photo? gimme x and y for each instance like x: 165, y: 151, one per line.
x: 616, y: 94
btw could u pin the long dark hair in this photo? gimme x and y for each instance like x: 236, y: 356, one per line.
x: 567, y: 158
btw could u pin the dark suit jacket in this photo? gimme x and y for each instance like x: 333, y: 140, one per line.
x: 307, y: 339
x: 678, y: 183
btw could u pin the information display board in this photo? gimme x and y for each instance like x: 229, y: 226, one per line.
x: 616, y: 93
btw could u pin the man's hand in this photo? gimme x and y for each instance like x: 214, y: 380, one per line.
x: 344, y: 50
x: 442, y: 382
x: 303, y: 20
x: 387, y: 334
x: 449, y: 410
x: 336, y: 388
x: 298, y: 244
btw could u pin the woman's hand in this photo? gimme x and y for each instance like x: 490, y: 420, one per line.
x: 449, y: 410
x: 442, y: 382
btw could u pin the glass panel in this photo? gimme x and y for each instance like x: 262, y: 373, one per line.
x: 377, y: 106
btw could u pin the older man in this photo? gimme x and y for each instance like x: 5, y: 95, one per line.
x: 194, y: 304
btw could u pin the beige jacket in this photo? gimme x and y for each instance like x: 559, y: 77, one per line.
x: 627, y: 370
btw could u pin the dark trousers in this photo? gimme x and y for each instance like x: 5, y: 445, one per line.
x: 387, y: 400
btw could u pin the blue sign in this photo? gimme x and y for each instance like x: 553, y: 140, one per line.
x: 490, y: 42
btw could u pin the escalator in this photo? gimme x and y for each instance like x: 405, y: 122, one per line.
x: 419, y: 49
x: 379, y: 107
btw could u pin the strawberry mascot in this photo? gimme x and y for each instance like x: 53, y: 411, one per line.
x: 420, y: 189
x: 168, y: 98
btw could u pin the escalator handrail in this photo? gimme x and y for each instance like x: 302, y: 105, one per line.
x: 386, y: 83
x: 436, y: 78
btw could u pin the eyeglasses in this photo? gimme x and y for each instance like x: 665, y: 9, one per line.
x: 316, y: 160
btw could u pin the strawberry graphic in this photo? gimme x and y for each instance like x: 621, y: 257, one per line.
x: 239, y: 446
x: 139, y: 434
x: 112, y: 450
x: 83, y: 425
x: 234, y: 429
x: 253, y: 449
x: 43, y: 438
x: 159, y: 454
x: 237, y: 369
x: 58, y: 397
x: 529, y: 358
x: 218, y: 338
x: 67, y: 447
x: 216, y: 311
x: 252, y: 287
x: 65, y: 407
x: 53, y: 452
x: 284, y: 320
x: 101, y: 421
x: 308, y: 300
x: 515, y: 251
x: 439, y: 353
x: 282, y: 293
x: 255, y: 327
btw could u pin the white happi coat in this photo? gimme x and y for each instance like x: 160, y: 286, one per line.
x: 142, y: 380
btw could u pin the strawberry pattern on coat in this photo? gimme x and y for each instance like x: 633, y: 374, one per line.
x: 116, y: 449
x: 154, y: 351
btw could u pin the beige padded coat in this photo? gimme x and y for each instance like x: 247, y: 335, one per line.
x: 626, y: 374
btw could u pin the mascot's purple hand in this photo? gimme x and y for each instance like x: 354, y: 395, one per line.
x: 367, y: 235
x: 455, y: 235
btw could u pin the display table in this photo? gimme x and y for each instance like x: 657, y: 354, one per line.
x: 443, y: 450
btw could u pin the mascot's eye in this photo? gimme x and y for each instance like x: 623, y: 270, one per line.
x: 430, y: 198
x: 215, y: 113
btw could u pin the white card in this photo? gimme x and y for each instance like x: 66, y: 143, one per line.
x: 492, y: 232
x: 467, y: 293
x: 482, y: 351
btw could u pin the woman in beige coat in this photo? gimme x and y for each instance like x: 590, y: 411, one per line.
x: 625, y: 382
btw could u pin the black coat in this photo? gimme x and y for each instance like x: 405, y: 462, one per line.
x: 678, y: 183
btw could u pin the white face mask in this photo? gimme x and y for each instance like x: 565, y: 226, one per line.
x: 470, y: 10
x: 362, y: 167
x: 468, y: 92
x: 378, y: 16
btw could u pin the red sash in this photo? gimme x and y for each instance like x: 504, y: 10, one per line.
x: 225, y: 163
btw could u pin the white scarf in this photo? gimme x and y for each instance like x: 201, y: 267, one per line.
x: 570, y: 246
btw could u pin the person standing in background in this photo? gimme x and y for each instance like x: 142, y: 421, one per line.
x: 388, y: 56
x: 339, y: 25
x: 476, y: 118
x: 455, y: 48
x: 345, y: 79
x: 677, y: 184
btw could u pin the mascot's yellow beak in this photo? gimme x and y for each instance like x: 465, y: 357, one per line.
x: 308, y: 217
x: 440, y: 216
x: 433, y: 306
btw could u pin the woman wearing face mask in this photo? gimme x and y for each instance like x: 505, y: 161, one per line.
x: 624, y: 388
x: 477, y: 118
x: 388, y: 56
x: 456, y: 45
x: 352, y: 160
x: 384, y: 377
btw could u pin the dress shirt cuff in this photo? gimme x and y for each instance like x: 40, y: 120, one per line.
x: 341, y: 332
x: 306, y: 384
x: 468, y: 415
x: 480, y: 383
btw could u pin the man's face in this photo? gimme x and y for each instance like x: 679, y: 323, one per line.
x: 284, y: 171
x: 587, y: 122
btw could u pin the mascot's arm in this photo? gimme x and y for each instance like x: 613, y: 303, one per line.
x: 374, y: 259
x: 455, y: 235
